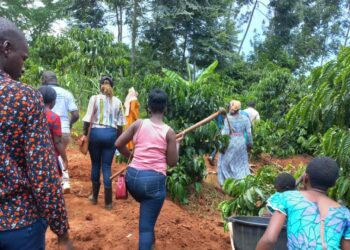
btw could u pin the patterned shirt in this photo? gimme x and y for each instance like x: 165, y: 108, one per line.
x: 29, y: 185
x: 304, y: 221
x: 54, y: 122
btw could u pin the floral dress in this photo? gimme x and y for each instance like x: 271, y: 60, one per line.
x: 234, y: 162
x: 304, y: 222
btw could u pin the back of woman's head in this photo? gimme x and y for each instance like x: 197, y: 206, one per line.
x: 106, y: 86
x: 157, y: 100
x: 323, y: 172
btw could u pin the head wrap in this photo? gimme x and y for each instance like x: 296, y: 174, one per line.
x: 235, y: 105
x: 132, y: 96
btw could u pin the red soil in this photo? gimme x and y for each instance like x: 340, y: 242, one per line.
x: 92, y: 227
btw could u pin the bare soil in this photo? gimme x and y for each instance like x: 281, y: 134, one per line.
x: 195, y: 226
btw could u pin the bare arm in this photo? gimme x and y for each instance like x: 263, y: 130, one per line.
x: 119, y: 130
x: 345, y: 244
x: 57, y: 140
x: 172, y: 152
x: 274, y: 228
x: 73, y: 118
x: 125, y: 137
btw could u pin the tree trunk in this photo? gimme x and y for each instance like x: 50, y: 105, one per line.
x: 134, y: 34
x: 246, y: 31
x: 184, y: 53
x: 347, y: 36
x: 119, y: 15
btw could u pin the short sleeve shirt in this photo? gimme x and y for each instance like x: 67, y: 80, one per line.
x: 64, y: 105
x: 304, y: 221
x: 54, y: 123
x: 109, y: 112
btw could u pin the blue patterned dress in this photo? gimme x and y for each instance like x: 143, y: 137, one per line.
x: 304, y: 222
x: 234, y: 163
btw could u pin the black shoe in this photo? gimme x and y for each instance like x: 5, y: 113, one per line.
x: 108, y: 198
x: 95, y: 190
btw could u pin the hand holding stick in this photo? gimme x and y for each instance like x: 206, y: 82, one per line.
x: 202, y: 122
x: 180, y: 136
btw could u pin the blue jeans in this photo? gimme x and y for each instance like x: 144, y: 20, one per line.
x: 148, y: 188
x: 101, y: 148
x: 31, y: 237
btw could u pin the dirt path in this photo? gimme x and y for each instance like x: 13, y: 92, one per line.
x: 93, y: 227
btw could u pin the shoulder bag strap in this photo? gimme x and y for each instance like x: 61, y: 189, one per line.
x: 229, y: 126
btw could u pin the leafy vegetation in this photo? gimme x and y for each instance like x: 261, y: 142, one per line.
x: 190, y: 49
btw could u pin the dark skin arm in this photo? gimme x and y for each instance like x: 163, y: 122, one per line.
x: 86, y: 128
x: 125, y: 137
x: 73, y: 118
x: 172, y: 145
x: 345, y: 244
x: 172, y: 151
x: 57, y: 140
x: 269, y: 239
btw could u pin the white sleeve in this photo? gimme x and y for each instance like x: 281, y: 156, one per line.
x: 89, y: 110
x: 71, y: 103
x: 257, y: 116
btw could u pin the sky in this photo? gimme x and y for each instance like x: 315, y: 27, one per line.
x: 257, y: 25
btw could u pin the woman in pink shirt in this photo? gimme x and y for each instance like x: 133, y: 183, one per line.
x: 155, y: 148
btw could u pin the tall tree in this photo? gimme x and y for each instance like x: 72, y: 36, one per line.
x: 87, y: 13
x: 200, y: 31
x: 32, y: 18
x: 301, y: 33
x: 119, y: 7
x: 134, y: 28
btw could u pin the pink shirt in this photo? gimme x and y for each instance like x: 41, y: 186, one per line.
x: 150, y: 147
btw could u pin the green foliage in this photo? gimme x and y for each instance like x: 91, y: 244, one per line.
x: 34, y: 20
x: 87, y: 14
x: 275, y: 93
x: 325, y: 114
x: 274, y: 139
x: 249, y: 195
x: 79, y: 58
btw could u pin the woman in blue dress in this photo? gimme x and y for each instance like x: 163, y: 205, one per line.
x: 233, y: 163
x: 314, y: 221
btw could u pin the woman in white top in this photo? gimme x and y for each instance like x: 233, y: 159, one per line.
x: 107, y: 124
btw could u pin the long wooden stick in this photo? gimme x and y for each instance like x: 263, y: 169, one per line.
x: 202, y: 122
x: 187, y: 130
x: 118, y: 173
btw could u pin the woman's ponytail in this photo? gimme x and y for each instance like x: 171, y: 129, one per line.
x: 107, y: 89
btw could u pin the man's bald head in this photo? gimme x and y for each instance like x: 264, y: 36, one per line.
x: 9, y: 31
x: 13, y: 48
x: 49, y: 77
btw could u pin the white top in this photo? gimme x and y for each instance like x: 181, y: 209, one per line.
x: 64, y: 105
x: 253, y: 114
x: 109, y: 112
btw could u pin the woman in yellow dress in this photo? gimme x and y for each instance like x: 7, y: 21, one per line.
x: 132, y: 112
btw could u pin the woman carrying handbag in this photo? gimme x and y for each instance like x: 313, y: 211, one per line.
x: 105, y: 116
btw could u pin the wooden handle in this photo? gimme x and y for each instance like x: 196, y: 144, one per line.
x: 118, y: 173
x: 202, y: 122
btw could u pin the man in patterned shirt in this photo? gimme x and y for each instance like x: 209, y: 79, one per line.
x: 30, y: 192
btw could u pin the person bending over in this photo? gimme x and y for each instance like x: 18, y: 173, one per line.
x: 314, y: 221
x: 284, y: 182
